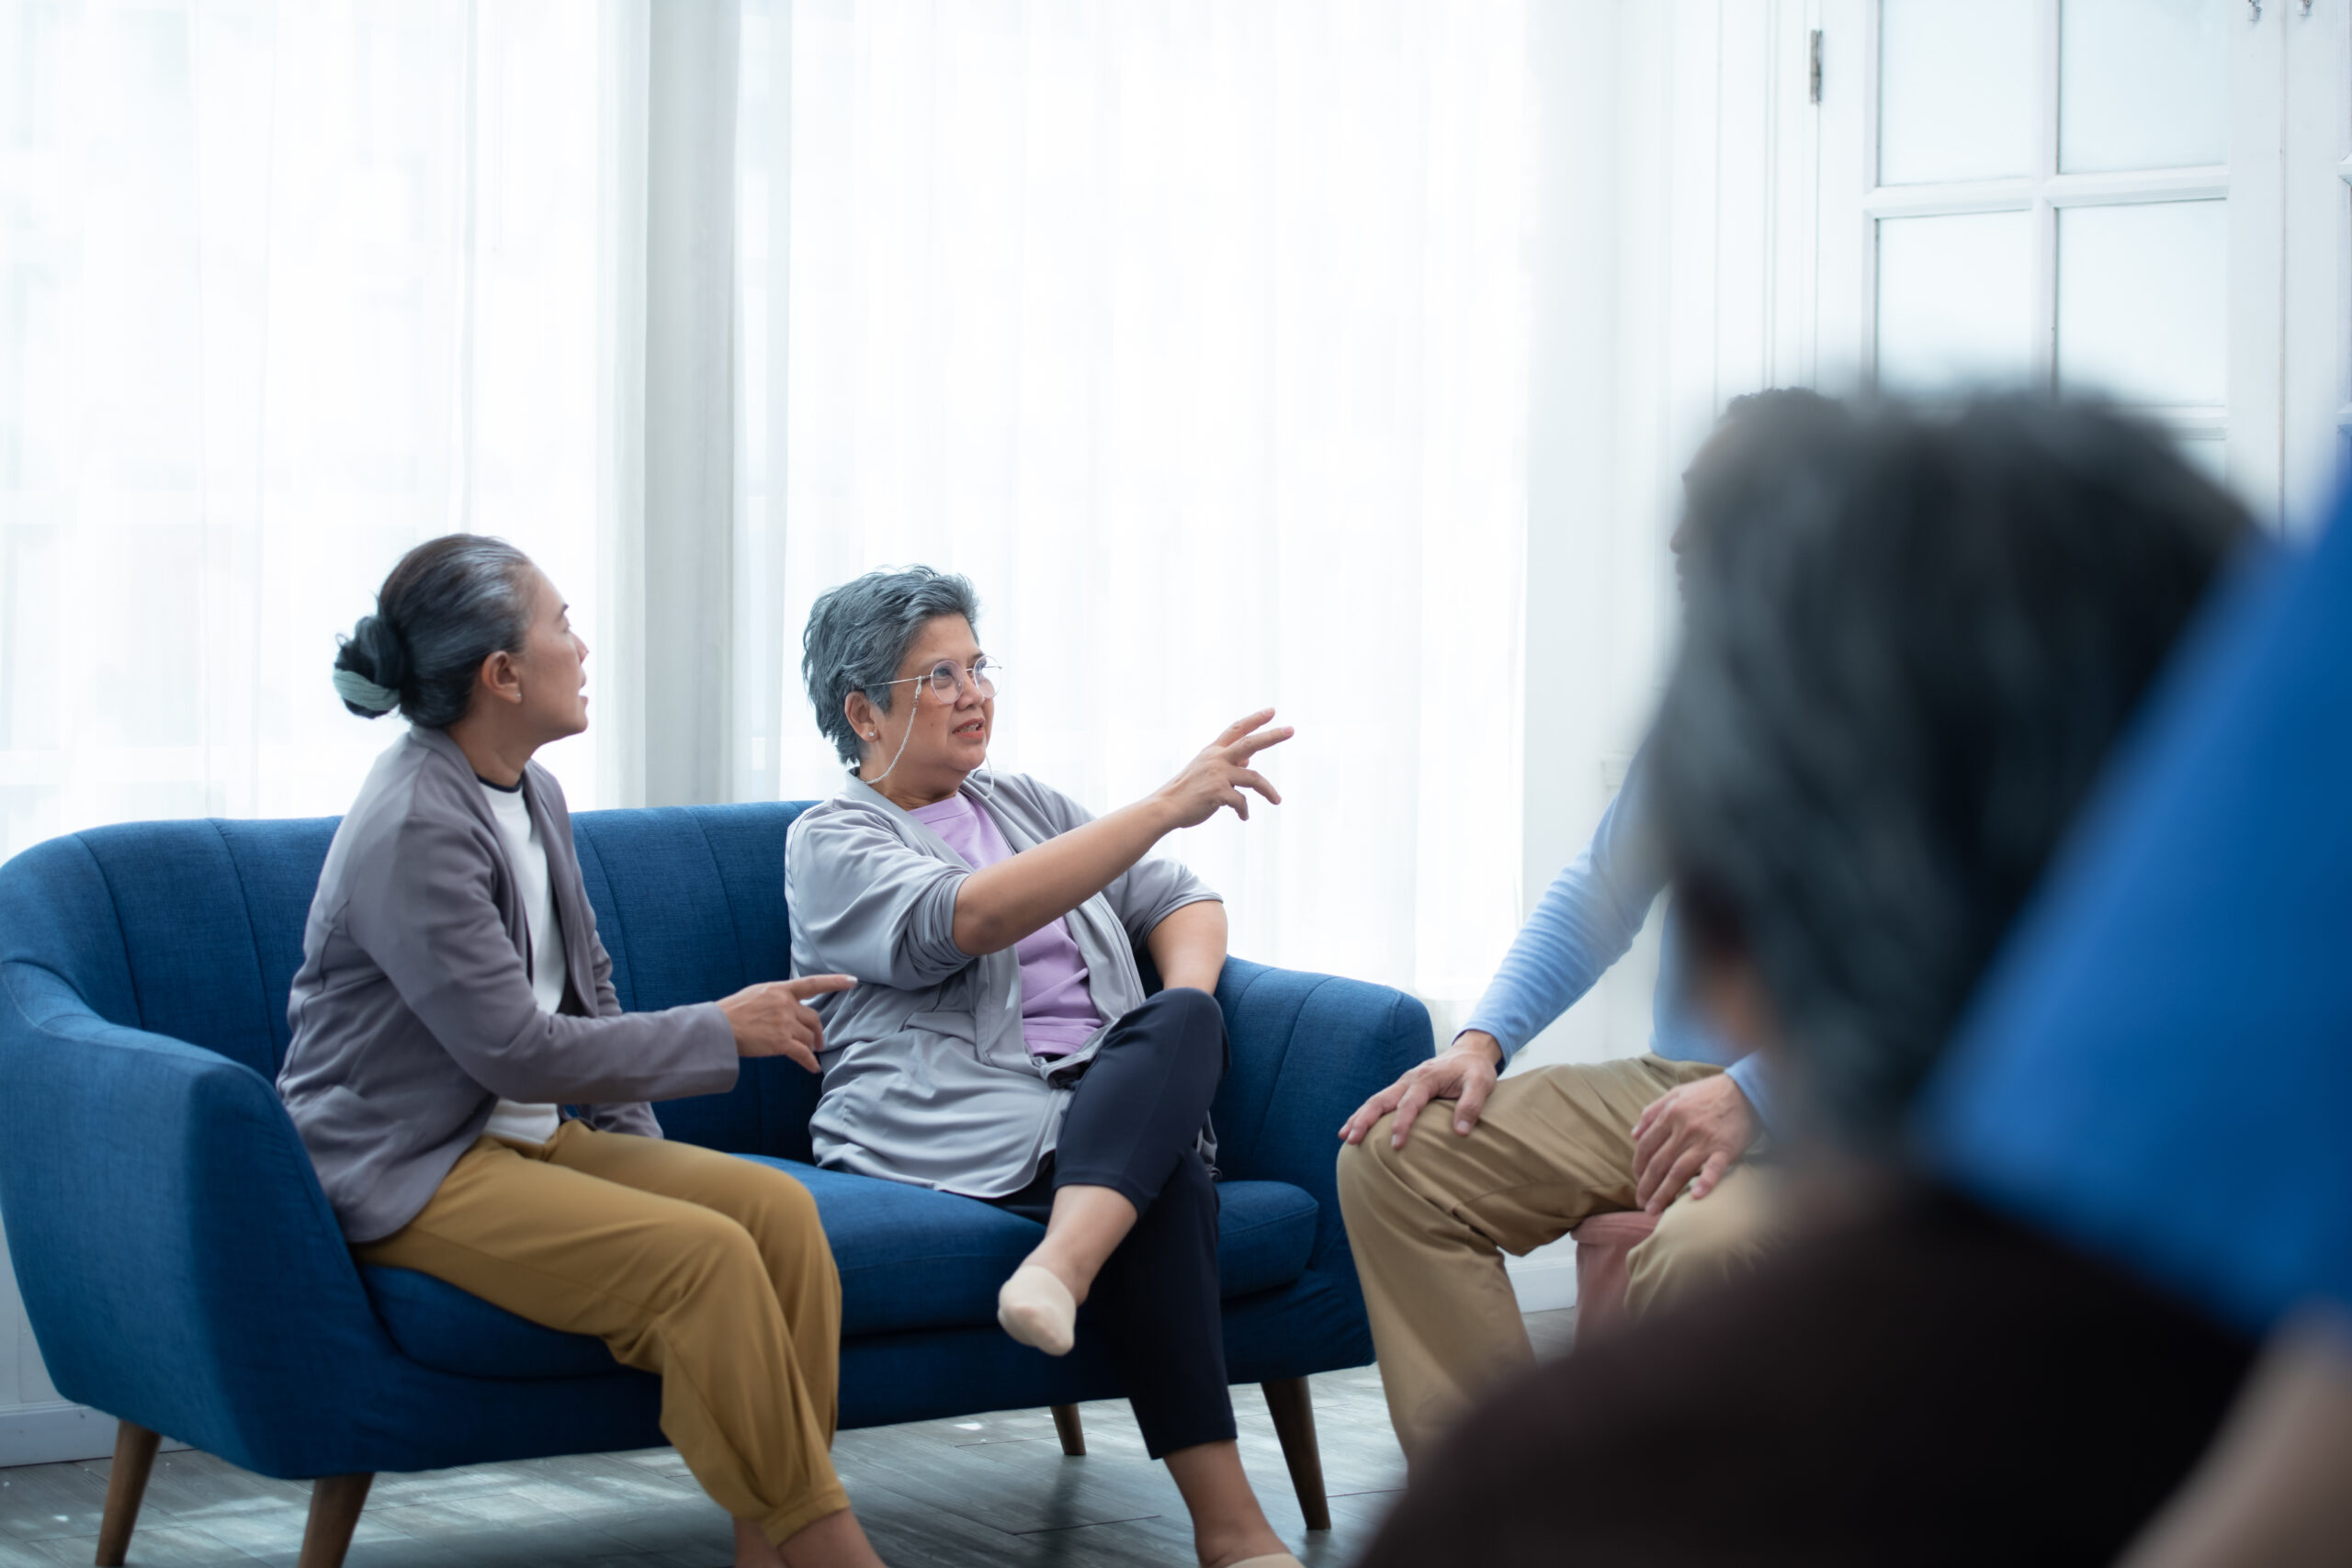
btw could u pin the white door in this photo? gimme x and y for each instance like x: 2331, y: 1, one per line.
x: 2097, y: 196
x: 2316, y: 138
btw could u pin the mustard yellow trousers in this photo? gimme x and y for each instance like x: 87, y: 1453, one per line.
x: 708, y: 1270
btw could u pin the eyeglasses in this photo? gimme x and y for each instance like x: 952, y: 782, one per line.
x: 946, y: 678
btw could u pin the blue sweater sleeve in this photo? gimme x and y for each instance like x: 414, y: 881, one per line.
x: 1586, y: 919
x: 1755, y: 1080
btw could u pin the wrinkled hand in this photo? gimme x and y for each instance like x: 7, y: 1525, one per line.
x: 1465, y: 1073
x: 1692, y: 1134
x: 773, y: 1019
x: 1218, y: 776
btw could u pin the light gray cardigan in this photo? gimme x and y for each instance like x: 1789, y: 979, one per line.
x: 412, y: 1012
x: 927, y: 1077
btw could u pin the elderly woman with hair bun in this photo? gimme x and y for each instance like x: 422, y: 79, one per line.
x: 453, y: 995
x: 999, y: 1044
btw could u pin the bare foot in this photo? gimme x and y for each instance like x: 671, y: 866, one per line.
x: 752, y: 1549
x: 837, y: 1540
x: 1088, y: 1223
x: 1228, y: 1525
x: 1262, y: 1543
x: 1076, y: 1278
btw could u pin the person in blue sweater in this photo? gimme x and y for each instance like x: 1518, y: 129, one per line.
x: 1521, y: 1161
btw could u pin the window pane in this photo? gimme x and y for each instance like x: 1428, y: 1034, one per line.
x: 2143, y: 84
x: 2143, y: 301
x: 1955, y: 301
x: 1955, y: 98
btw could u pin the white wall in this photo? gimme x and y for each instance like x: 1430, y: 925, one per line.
x: 1672, y: 251
x: 23, y: 1380
x: 36, y: 1426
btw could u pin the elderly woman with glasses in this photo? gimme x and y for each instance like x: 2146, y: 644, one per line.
x: 999, y: 1044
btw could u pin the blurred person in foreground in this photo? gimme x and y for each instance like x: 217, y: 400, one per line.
x: 1522, y: 1161
x: 999, y: 1044
x: 1911, y: 644
x: 2160, y: 1070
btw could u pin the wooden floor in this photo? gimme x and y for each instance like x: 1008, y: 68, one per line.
x: 991, y: 1489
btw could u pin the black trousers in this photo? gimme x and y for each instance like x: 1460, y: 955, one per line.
x: 1132, y: 1126
x: 1933, y: 1386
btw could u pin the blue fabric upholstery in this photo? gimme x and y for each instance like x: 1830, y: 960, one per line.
x: 910, y: 1259
x: 181, y: 1268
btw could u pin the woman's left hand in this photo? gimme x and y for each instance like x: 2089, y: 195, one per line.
x: 1215, y: 778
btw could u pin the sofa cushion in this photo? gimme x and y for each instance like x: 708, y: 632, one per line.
x: 910, y: 1257
x: 441, y: 1326
x: 1265, y: 1235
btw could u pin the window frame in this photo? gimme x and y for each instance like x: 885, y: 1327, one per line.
x: 2250, y: 421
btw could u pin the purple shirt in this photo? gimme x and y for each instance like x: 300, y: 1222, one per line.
x: 1057, y: 1013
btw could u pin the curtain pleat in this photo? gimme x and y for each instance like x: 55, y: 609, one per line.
x: 285, y: 288
x: 1195, y: 333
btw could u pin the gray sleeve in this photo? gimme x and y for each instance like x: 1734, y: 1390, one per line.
x: 866, y: 904
x: 432, y: 925
x: 631, y: 1116
x: 1154, y: 890
x: 606, y: 1000
x: 1149, y: 892
x: 634, y: 1118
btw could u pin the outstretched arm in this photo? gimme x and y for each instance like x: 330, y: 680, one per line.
x: 998, y: 905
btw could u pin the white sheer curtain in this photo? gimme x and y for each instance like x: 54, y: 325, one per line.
x: 1196, y: 334
x: 1194, y: 331
x: 284, y: 289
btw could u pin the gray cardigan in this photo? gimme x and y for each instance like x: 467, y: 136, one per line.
x: 927, y: 1077
x: 412, y: 1012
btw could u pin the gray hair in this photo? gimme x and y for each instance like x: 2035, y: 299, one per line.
x: 1911, y: 645
x: 858, y: 632
x: 450, y: 603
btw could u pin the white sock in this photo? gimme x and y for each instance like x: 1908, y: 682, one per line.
x: 1037, y: 1309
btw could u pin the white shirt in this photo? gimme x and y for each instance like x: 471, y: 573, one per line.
x: 526, y: 852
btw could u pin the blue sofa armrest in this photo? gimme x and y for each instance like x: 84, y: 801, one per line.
x: 176, y: 1256
x: 1308, y: 1049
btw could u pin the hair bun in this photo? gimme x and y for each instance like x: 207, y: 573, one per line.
x: 387, y: 653
x: 370, y: 667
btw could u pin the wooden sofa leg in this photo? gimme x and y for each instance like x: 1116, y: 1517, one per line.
x: 1067, y: 1427
x: 1294, y: 1412
x: 134, y: 1460
x: 335, y: 1502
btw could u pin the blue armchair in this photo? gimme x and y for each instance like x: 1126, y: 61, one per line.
x: 182, y: 1270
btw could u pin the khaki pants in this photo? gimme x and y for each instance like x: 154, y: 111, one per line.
x: 709, y: 1270
x: 1430, y: 1222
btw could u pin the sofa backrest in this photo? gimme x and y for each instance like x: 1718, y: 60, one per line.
x: 194, y: 929
x: 689, y: 902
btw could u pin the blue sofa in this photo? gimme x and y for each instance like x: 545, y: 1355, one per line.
x: 183, y: 1273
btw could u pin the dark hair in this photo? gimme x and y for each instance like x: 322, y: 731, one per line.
x: 450, y: 603
x: 1773, y: 415
x: 858, y: 632
x: 1911, y: 643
